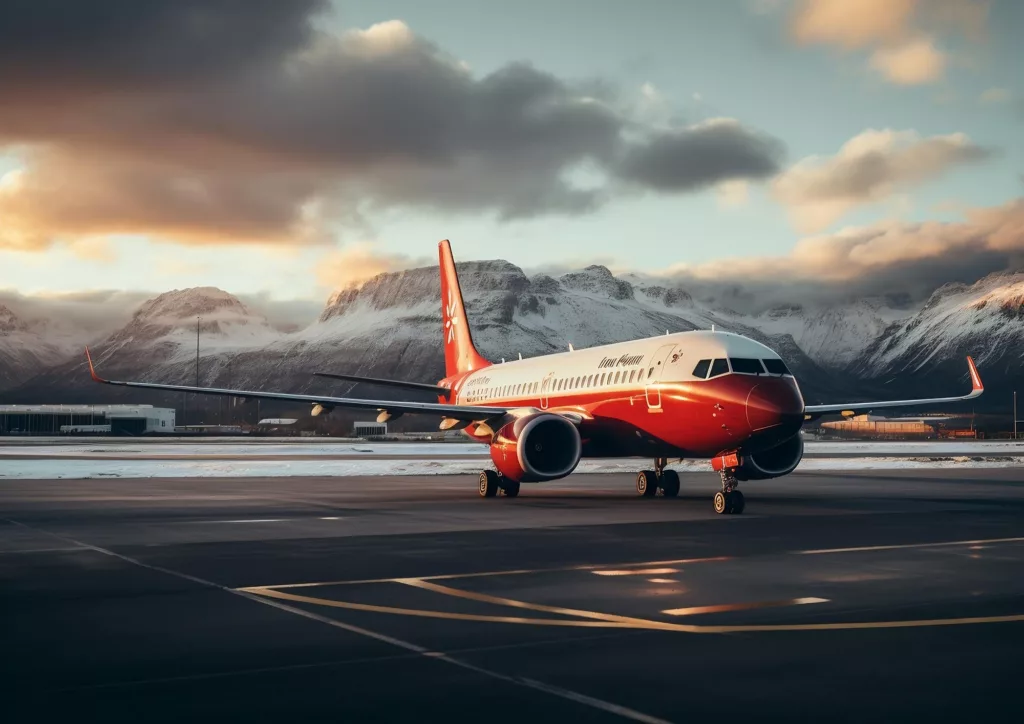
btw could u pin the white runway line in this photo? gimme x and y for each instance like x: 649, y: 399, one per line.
x: 253, y: 520
x: 863, y: 549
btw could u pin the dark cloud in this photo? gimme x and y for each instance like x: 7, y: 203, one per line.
x: 221, y: 121
x: 701, y: 155
x: 55, y: 46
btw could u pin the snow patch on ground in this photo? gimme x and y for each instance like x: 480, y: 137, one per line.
x: 426, y: 450
x: 99, y: 468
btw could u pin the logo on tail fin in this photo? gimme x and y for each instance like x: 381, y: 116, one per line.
x: 450, y: 312
x: 460, y: 355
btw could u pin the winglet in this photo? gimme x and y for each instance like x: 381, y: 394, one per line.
x: 92, y: 370
x: 976, y: 386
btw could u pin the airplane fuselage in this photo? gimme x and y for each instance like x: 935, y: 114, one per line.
x: 648, y: 397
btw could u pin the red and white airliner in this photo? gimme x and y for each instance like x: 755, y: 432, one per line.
x: 700, y: 394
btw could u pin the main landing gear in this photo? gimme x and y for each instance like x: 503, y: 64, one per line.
x: 648, y: 481
x: 729, y: 500
x: 491, y: 483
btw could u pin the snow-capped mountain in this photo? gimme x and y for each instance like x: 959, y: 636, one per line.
x: 834, y: 337
x: 159, y: 343
x: 28, y: 346
x: 170, y: 322
x: 984, y: 319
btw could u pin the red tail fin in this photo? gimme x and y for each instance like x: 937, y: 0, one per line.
x: 459, y: 353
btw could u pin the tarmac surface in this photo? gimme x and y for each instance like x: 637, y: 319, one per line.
x: 835, y: 597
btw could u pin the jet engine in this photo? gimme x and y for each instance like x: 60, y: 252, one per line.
x: 772, y: 463
x: 536, y: 447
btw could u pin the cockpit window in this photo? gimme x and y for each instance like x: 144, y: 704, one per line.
x: 776, y: 366
x: 746, y: 366
x: 701, y: 370
x: 718, y: 367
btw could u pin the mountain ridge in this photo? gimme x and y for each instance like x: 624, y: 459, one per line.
x: 389, y: 326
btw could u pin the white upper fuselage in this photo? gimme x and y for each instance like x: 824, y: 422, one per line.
x: 663, y: 359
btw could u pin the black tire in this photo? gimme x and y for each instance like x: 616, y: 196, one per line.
x: 670, y: 483
x: 737, y: 503
x: 721, y: 503
x: 488, y: 487
x: 510, y: 489
x: 647, y: 483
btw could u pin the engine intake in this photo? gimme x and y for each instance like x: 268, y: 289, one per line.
x: 774, y: 462
x: 537, y: 447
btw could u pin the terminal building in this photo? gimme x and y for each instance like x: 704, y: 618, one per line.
x: 85, y: 419
x: 879, y: 427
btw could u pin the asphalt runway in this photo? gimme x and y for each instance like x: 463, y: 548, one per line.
x: 835, y: 597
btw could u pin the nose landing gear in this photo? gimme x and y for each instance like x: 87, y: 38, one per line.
x: 649, y: 481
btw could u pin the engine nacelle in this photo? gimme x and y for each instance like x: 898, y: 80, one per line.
x: 774, y: 462
x: 536, y: 447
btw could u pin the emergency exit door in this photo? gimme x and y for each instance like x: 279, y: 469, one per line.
x: 653, y: 374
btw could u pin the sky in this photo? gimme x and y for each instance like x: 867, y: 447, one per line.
x: 280, y: 151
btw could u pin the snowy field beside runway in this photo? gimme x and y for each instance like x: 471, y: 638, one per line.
x: 120, y: 458
x: 122, y: 448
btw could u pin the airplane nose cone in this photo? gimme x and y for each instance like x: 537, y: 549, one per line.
x: 772, y: 403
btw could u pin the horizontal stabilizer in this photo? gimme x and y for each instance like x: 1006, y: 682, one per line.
x: 472, y: 413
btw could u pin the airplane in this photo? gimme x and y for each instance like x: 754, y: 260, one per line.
x: 700, y: 394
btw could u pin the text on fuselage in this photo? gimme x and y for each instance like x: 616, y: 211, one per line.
x: 626, y: 360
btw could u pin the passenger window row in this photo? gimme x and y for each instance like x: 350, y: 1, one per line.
x: 561, y: 384
x: 706, y: 368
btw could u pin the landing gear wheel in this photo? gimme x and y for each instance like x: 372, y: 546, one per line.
x: 731, y: 503
x: 488, y: 483
x: 670, y: 483
x: 510, y: 489
x: 647, y: 483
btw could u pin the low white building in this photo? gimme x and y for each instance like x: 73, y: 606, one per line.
x: 85, y: 419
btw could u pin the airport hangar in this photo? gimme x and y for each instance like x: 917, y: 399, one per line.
x: 79, y: 419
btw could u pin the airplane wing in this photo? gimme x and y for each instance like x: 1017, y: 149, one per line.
x: 976, y: 389
x: 470, y: 413
x: 436, y: 389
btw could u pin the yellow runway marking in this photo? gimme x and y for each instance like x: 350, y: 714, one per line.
x: 498, y: 601
x: 722, y: 608
x: 606, y: 620
x: 423, y: 613
x: 487, y: 574
x: 943, y: 544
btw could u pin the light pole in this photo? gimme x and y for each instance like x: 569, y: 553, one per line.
x: 197, y: 358
x: 1015, y: 414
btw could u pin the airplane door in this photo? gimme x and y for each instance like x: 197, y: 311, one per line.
x: 652, y: 375
x: 545, y: 388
